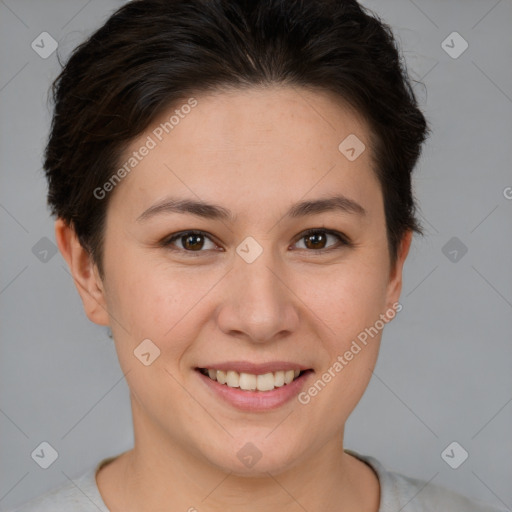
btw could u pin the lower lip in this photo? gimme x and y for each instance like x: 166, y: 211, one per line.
x: 255, y: 401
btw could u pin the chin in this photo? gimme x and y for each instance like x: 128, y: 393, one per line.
x: 256, y: 455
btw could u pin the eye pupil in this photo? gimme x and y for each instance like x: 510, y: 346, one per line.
x: 315, y: 238
x: 194, y: 244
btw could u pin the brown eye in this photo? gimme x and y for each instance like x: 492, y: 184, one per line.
x: 190, y: 241
x: 316, y: 240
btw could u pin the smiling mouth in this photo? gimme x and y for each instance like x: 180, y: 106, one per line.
x: 252, y: 382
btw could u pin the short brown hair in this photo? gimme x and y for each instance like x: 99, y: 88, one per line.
x: 151, y: 53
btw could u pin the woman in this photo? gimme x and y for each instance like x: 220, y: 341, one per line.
x: 232, y: 187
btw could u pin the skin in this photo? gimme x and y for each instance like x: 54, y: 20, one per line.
x: 255, y: 152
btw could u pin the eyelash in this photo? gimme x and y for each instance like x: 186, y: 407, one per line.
x: 343, y: 240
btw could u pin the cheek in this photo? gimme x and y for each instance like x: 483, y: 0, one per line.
x: 168, y: 303
x: 346, y: 298
x: 350, y: 310
x: 158, y: 302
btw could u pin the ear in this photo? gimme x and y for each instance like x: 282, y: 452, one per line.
x: 84, y: 273
x: 395, y: 276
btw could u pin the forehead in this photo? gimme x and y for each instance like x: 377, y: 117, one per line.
x: 259, y: 144
x: 242, y: 121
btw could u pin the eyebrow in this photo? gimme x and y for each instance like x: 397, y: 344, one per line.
x: 206, y: 210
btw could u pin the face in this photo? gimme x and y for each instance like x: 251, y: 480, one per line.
x: 251, y: 294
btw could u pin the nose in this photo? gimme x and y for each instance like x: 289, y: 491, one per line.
x: 259, y: 302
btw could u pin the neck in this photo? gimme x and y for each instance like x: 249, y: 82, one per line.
x: 159, y: 471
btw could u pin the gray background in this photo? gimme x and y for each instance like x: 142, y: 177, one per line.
x: 444, y: 372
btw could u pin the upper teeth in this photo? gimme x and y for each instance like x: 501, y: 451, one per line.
x: 251, y: 382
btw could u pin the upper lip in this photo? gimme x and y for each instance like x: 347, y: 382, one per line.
x: 253, y: 368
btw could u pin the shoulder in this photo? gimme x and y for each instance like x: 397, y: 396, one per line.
x: 423, y: 496
x: 79, y: 495
x: 400, y: 492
